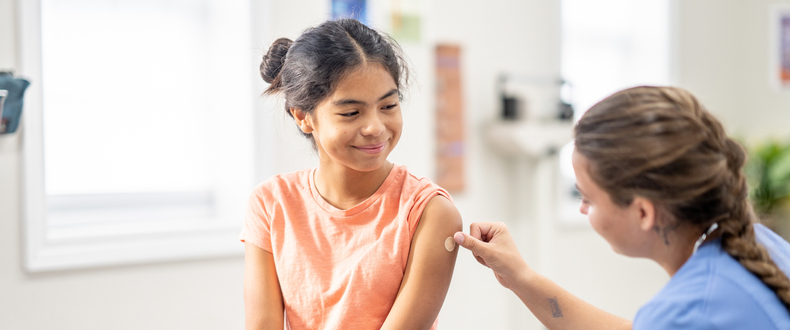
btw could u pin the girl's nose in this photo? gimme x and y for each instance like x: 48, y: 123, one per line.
x: 373, y: 126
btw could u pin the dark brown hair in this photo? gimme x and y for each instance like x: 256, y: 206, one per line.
x: 660, y: 143
x: 308, y: 69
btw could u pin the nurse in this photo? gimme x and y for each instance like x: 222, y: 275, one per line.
x: 660, y: 179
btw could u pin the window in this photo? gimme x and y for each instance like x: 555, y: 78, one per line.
x: 609, y: 45
x: 138, y: 136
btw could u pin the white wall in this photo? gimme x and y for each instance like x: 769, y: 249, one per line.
x: 7, y: 35
x: 723, y: 52
x: 722, y: 57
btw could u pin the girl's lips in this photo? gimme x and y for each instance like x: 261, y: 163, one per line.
x: 372, y: 148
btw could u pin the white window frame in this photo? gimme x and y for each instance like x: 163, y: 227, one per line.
x: 203, y: 235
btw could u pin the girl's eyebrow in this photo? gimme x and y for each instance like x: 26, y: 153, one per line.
x: 390, y: 93
x: 352, y: 101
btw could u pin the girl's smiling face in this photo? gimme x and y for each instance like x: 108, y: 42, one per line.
x: 359, y: 124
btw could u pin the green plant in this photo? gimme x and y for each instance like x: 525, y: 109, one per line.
x: 768, y: 172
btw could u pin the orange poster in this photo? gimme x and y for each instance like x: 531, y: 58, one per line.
x: 785, y: 49
x: 449, y: 119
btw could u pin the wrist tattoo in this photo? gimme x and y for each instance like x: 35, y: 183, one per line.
x: 555, y: 307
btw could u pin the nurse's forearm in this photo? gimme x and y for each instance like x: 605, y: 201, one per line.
x: 558, y: 309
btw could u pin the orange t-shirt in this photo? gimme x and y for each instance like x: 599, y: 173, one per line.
x: 338, y: 269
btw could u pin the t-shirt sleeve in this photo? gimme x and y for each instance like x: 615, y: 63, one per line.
x: 257, y: 223
x: 423, y: 196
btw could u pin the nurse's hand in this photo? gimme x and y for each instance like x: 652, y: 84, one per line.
x: 493, y: 247
x: 555, y: 307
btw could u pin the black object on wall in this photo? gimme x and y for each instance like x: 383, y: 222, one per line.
x: 12, y: 106
x: 514, y: 107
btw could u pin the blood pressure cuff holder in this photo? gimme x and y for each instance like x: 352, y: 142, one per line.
x: 12, y: 107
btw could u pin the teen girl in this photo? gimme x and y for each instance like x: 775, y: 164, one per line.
x: 660, y: 179
x: 357, y: 243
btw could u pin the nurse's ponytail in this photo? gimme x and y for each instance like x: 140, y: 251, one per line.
x: 738, y: 237
x: 661, y: 144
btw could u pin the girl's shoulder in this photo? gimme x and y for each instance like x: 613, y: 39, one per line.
x: 415, y: 183
x: 284, y: 184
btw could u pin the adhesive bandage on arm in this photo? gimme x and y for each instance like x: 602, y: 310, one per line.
x: 449, y: 244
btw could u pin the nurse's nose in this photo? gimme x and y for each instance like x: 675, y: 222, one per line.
x: 583, y: 207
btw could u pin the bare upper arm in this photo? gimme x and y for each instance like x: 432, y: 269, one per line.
x: 263, y: 301
x: 429, y: 269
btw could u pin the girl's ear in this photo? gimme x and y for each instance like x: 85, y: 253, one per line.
x: 302, y: 121
x: 646, y: 213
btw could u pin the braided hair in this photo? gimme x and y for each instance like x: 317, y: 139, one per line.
x: 660, y: 143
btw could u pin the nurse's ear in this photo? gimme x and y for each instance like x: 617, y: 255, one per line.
x: 646, y: 211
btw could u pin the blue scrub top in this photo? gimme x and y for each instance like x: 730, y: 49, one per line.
x: 713, y: 291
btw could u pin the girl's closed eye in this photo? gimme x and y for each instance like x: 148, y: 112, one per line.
x: 391, y: 106
x: 349, y: 114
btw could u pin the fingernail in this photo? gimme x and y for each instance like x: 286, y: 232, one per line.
x: 459, y: 238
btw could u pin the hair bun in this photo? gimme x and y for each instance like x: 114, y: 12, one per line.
x: 273, y: 61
